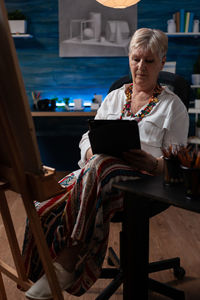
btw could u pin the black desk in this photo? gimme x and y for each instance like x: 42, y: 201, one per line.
x: 58, y: 136
x: 138, y: 195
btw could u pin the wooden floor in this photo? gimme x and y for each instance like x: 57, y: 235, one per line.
x: 175, y: 232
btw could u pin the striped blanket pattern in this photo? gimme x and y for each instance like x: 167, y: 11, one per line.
x: 81, y: 215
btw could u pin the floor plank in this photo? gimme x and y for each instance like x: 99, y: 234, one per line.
x: 174, y: 232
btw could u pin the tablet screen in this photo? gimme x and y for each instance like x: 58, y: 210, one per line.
x: 113, y: 137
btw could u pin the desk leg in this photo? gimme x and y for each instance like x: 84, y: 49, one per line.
x: 135, y: 247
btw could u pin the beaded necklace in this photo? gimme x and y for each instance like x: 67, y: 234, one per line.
x: 152, y: 102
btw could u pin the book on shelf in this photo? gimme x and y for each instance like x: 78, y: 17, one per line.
x: 187, y: 18
x: 191, y: 21
x: 182, y: 20
x: 177, y: 20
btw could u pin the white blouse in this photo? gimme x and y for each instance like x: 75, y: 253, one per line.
x: 167, y: 123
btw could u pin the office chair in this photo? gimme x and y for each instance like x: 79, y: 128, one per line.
x: 182, y: 88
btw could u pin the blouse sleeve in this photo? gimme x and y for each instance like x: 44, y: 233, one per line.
x: 176, y: 125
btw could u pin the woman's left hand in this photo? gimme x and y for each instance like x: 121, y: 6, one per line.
x: 141, y: 160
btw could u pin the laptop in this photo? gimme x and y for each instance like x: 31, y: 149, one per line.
x: 113, y: 137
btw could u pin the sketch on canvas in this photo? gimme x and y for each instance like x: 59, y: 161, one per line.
x: 87, y: 28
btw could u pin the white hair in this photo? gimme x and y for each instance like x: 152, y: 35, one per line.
x: 150, y: 39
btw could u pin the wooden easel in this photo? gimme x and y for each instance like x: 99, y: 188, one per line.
x: 21, y: 169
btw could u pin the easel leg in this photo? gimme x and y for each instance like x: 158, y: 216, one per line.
x: 12, y: 239
x: 42, y: 247
x: 2, y: 289
x: 20, y: 277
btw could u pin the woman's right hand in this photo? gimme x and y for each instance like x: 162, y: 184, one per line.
x: 142, y: 161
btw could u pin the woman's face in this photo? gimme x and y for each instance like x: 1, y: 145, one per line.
x: 145, y: 67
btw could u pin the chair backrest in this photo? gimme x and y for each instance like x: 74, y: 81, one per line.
x: 179, y: 85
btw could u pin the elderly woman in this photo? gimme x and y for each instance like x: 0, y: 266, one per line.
x: 161, y: 116
x: 76, y: 224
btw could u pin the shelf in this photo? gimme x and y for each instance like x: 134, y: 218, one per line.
x: 25, y: 35
x: 196, y: 86
x: 183, y: 34
x: 63, y: 114
x: 194, y: 140
x: 194, y: 111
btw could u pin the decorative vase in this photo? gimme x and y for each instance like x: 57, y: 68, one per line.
x: 196, y: 26
x: 171, y: 26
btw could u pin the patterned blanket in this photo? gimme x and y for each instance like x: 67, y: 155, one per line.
x: 81, y: 214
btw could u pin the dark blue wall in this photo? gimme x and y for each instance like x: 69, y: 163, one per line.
x: 43, y: 70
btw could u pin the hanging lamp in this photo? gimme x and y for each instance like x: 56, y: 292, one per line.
x: 118, y: 3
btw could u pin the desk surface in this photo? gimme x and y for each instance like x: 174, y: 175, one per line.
x: 152, y: 188
x: 63, y: 113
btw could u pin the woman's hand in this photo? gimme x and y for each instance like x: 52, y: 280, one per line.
x: 143, y: 161
x: 89, y: 153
